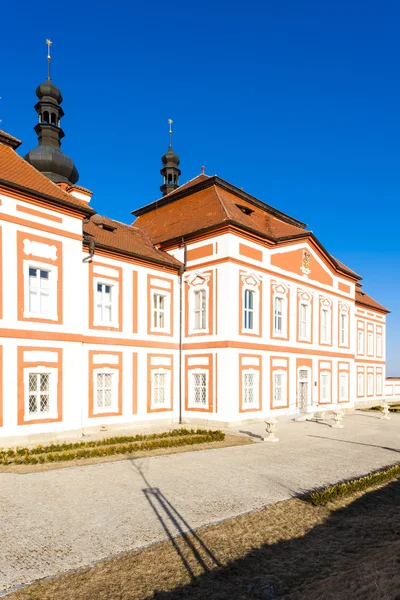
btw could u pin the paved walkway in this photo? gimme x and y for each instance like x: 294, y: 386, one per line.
x: 68, y: 518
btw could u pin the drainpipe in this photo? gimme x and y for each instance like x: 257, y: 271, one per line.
x: 181, y: 272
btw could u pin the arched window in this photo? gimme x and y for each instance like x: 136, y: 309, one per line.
x: 170, y: 178
x: 45, y: 116
x: 53, y: 119
x: 175, y: 179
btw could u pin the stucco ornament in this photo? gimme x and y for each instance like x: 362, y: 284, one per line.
x: 306, y: 262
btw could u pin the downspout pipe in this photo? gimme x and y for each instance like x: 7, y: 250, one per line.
x: 181, y: 272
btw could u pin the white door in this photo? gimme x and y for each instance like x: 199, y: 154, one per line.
x: 303, y: 390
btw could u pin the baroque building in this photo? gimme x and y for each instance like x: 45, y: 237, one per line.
x: 212, y: 307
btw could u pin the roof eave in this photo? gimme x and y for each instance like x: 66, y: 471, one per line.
x: 139, y: 256
x: 382, y: 310
x: 42, y: 196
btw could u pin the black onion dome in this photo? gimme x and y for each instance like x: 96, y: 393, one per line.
x: 49, y: 90
x: 53, y: 163
x: 170, y: 157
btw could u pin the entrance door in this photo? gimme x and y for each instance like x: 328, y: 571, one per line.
x: 303, y: 390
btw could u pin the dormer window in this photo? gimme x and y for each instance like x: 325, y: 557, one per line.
x: 245, y: 209
x: 106, y: 226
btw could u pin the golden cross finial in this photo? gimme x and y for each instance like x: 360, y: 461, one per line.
x: 49, y: 43
x: 170, y: 121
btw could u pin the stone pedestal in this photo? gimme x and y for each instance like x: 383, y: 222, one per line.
x: 271, y: 426
x: 385, y: 411
x: 337, y: 418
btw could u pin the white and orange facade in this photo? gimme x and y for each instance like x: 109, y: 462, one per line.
x: 209, y: 320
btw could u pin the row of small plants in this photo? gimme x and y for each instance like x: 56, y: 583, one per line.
x: 109, y: 446
x: 341, y: 490
x: 392, y: 408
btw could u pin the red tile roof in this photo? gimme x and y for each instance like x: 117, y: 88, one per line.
x: 125, y: 239
x: 365, y: 300
x: 16, y: 172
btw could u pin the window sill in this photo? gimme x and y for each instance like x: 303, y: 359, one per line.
x: 108, y: 324
x: 41, y: 316
x: 40, y: 417
x: 106, y: 410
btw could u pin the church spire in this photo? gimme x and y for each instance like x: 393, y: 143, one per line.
x: 170, y: 170
x: 47, y: 157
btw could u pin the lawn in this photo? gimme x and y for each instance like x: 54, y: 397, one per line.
x: 348, y: 549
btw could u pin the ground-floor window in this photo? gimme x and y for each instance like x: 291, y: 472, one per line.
x: 343, y: 387
x: 325, y: 387
x: 40, y: 393
x: 160, y: 393
x: 279, y: 389
x: 370, y: 384
x: 199, y: 389
x: 250, y: 390
x: 379, y: 384
x: 360, y: 384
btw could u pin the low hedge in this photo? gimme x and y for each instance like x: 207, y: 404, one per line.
x: 341, y: 490
x: 121, y: 439
x: 187, y: 439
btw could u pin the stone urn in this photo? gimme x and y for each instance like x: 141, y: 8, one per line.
x: 337, y: 418
x: 385, y: 411
x: 270, y: 429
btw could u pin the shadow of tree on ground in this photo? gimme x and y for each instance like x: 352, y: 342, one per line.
x: 353, y: 555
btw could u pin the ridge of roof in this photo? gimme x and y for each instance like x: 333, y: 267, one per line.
x: 209, y: 181
x: 17, y: 174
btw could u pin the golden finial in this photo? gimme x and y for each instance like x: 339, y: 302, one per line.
x: 49, y: 43
x: 170, y: 121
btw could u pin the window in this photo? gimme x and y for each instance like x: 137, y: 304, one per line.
x: 39, y: 291
x: 304, y: 321
x: 250, y: 390
x: 370, y: 343
x: 370, y: 384
x: 104, y: 390
x: 360, y: 342
x: 249, y: 296
x: 278, y: 316
x: 379, y: 345
x: 158, y: 311
x: 343, y: 329
x: 104, y: 302
x: 199, y: 392
x: 325, y: 387
x: 279, y: 391
x: 200, y: 309
x: 159, y: 388
x: 360, y: 384
x: 379, y: 384
x: 325, y: 326
x: 343, y: 387
x: 39, y: 394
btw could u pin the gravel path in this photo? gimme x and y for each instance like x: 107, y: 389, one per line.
x: 63, y: 519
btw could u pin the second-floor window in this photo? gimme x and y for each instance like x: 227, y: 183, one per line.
x: 104, y: 302
x: 278, y: 316
x: 360, y: 342
x: 325, y: 326
x: 158, y: 311
x: 248, y: 312
x: 343, y: 329
x: 39, y: 291
x: 200, y: 309
x: 304, y: 325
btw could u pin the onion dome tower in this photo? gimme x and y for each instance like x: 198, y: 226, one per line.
x: 47, y: 157
x: 170, y: 170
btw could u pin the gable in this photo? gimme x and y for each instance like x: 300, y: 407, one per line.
x: 302, y: 261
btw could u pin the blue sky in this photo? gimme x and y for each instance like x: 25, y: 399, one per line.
x: 296, y: 101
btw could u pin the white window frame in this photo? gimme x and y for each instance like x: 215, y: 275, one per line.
x: 345, y: 398
x: 360, y: 341
x: 192, y: 309
x: 115, y: 387
x: 250, y: 311
x: 370, y: 384
x: 283, y: 401
x: 379, y: 345
x: 51, y: 315
x: 305, y: 324
x: 360, y: 384
x: 167, y: 389
x: 282, y: 331
x: 327, y: 386
x: 370, y: 343
x: 192, y: 403
x: 256, y: 389
x: 53, y: 410
x: 325, y: 311
x: 167, y: 310
x: 343, y: 329
x: 379, y: 384
x: 114, y: 284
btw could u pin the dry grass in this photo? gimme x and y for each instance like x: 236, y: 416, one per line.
x: 347, y: 550
x: 230, y: 440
